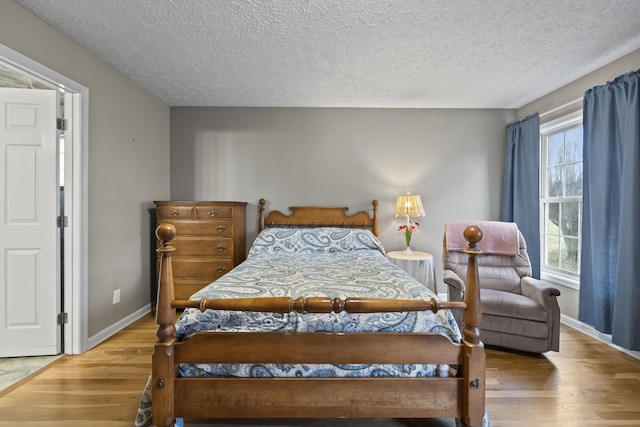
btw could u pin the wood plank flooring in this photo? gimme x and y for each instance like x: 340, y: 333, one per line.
x: 88, y: 389
x: 586, y: 384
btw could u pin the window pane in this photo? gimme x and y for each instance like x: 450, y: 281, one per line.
x: 553, y: 218
x: 552, y: 254
x: 554, y: 182
x: 573, y: 145
x: 556, y: 149
x: 573, y: 178
x: 570, y: 221
x: 569, y: 254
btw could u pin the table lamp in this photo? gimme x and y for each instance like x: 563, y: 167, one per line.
x: 409, y: 205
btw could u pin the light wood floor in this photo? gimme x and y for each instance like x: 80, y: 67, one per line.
x: 586, y: 384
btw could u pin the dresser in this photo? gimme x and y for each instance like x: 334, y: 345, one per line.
x: 210, y: 241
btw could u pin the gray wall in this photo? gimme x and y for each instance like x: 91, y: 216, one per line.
x: 561, y: 102
x: 453, y: 158
x: 345, y: 157
x: 128, y: 164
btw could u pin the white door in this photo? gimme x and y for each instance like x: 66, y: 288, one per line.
x: 29, y: 243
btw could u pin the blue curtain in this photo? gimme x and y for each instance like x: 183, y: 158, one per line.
x: 521, y: 189
x: 610, y: 269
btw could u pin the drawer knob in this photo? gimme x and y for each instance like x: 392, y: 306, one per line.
x: 221, y: 228
x: 175, y: 213
x: 221, y: 248
x: 221, y: 269
x: 213, y: 213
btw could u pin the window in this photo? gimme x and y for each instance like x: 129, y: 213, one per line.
x: 561, y: 199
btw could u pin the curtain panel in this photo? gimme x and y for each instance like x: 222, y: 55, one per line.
x: 521, y: 184
x: 610, y: 271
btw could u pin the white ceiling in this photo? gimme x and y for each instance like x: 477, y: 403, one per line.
x: 350, y: 53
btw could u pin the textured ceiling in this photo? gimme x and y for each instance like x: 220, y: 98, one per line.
x: 350, y: 53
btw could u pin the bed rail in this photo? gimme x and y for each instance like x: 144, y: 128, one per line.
x: 318, y: 304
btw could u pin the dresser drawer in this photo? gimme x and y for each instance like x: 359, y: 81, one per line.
x: 185, y: 288
x: 212, y: 212
x: 199, y: 228
x: 170, y: 211
x: 202, y: 246
x: 207, y: 268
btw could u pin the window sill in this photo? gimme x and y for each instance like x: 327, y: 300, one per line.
x: 561, y: 279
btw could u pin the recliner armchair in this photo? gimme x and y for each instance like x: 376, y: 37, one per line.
x: 519, y: 312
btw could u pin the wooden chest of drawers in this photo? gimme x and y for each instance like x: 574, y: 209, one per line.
x: 210, y: 241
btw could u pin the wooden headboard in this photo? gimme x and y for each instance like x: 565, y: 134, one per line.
x: 314, y: 216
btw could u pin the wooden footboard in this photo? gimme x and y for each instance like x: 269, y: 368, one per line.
x: 459, y: 397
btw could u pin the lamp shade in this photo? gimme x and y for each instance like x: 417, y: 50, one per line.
x: 409, y: 205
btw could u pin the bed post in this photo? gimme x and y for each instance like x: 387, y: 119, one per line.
x: 163, y: 367
x: 474, y: 366
x: 374, y: 227
x: 261, y: 204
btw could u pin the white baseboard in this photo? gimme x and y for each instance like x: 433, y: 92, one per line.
x: 117, y: 327
x: 593, y: 333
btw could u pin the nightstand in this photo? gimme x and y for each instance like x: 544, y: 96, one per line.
x: 420, y: 266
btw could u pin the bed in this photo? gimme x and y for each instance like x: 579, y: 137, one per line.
x: 361, y: 339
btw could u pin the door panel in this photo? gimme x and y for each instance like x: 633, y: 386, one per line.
x: 29, y: 237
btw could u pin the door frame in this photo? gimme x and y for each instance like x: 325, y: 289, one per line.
x: 75, y: 200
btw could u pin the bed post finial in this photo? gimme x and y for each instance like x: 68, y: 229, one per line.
x: 166, y: 233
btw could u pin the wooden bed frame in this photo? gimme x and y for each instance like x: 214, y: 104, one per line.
x: 460, y: 397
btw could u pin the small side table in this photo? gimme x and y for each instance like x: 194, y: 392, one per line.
x: 419, y: 265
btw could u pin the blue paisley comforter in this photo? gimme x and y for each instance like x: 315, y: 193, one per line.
x: 333, y: 262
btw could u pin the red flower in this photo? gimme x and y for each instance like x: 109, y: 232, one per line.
x: 408, y: 230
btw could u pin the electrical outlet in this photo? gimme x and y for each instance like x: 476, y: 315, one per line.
x: 116, y: 296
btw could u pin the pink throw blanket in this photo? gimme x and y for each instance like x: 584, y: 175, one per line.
x: 499, y: 238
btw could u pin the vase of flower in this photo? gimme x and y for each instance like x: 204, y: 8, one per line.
x: 407, y: 230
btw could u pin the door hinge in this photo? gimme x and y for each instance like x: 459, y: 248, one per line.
x: 63, y: 318
x: 61, y: 124
x: 63, y: 221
